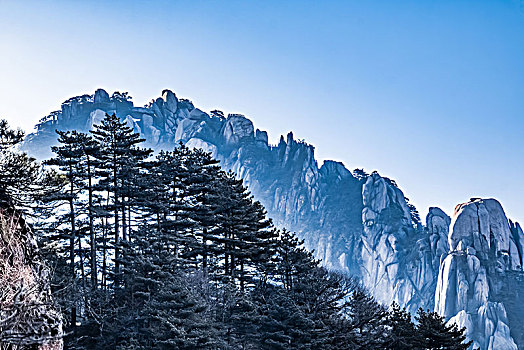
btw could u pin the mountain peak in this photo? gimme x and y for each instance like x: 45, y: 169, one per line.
x: 362, y: 225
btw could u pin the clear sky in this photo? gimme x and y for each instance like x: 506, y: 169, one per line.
x: 429, y: 93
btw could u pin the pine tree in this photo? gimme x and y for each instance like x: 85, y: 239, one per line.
x: 243, y: 233
x: 306, y: 312
x: 294, y: 261
x: 368, y: 320
x: 20, y: 175
x: 89, y: 148
x: 280, y: 322
x: 168, y: 203
x: 119, y: 160
x: 434, y: 333
x: 402, y: 333
x: 159, y: 306
x: 201, y: 181
x: 68, y: 157
x: 360, y: 174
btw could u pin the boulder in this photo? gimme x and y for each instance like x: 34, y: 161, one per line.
x: 483, y: 225
x: 378, y: 194
x: 170, y: 101
x: 151, y: 133
x: 334, y: 170
x: 261, y: 136
x: 95, y: 117
x: 101, y: 96
x: 236, y: 128
x: 437, y: 224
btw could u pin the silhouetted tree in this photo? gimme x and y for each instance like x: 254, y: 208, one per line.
x: 434, y: 333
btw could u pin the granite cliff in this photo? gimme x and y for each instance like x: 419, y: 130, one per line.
x: 354, y: 222
x: 480, y: 279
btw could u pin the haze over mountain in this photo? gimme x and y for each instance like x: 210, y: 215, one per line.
x: 446, y: 79
x: 468, y: 267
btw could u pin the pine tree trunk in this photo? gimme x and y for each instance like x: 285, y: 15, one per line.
x: 82, y: 269
x: 104, y: 254
x: 116, y: 204
x: 72, y: 247
x: 124, y: 221
x: 92, y: 239
x: 242, y: 275
x: 204, y: 250
x: 104, y: 237
x: 129, y: 222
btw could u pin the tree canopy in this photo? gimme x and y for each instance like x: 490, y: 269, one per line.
x: 169, y: 251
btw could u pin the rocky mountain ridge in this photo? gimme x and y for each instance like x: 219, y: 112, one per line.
x: 358, y: 223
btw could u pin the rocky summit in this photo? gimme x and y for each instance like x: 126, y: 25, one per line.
x: 480, y: 279
x: 468, y: 268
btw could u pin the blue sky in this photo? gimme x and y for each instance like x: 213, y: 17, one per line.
x: 430, y: 93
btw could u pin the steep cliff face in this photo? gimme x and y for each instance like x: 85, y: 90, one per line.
x: 359, y: 224
x: 399, y: 261
x: 437, y: 224
x: 323, y: 204
x: 474, y: 278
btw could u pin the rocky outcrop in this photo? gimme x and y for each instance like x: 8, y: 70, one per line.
x: 483, y: 262
x: 236, y: 128
x: 437, y: 225
x: 360, y: 224
x: 101, y: 96
x: 517, y: 239
x: 398, y: 258
x: 385, y: 217
x: 482, y: 225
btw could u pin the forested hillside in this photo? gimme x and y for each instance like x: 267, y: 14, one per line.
x: 168, y: 251
x: 352, y: 221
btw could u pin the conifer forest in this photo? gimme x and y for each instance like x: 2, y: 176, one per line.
x: 108, y: 245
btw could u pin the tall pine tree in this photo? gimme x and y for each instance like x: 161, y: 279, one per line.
x: 119, y: 159
x: 434, y: 333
